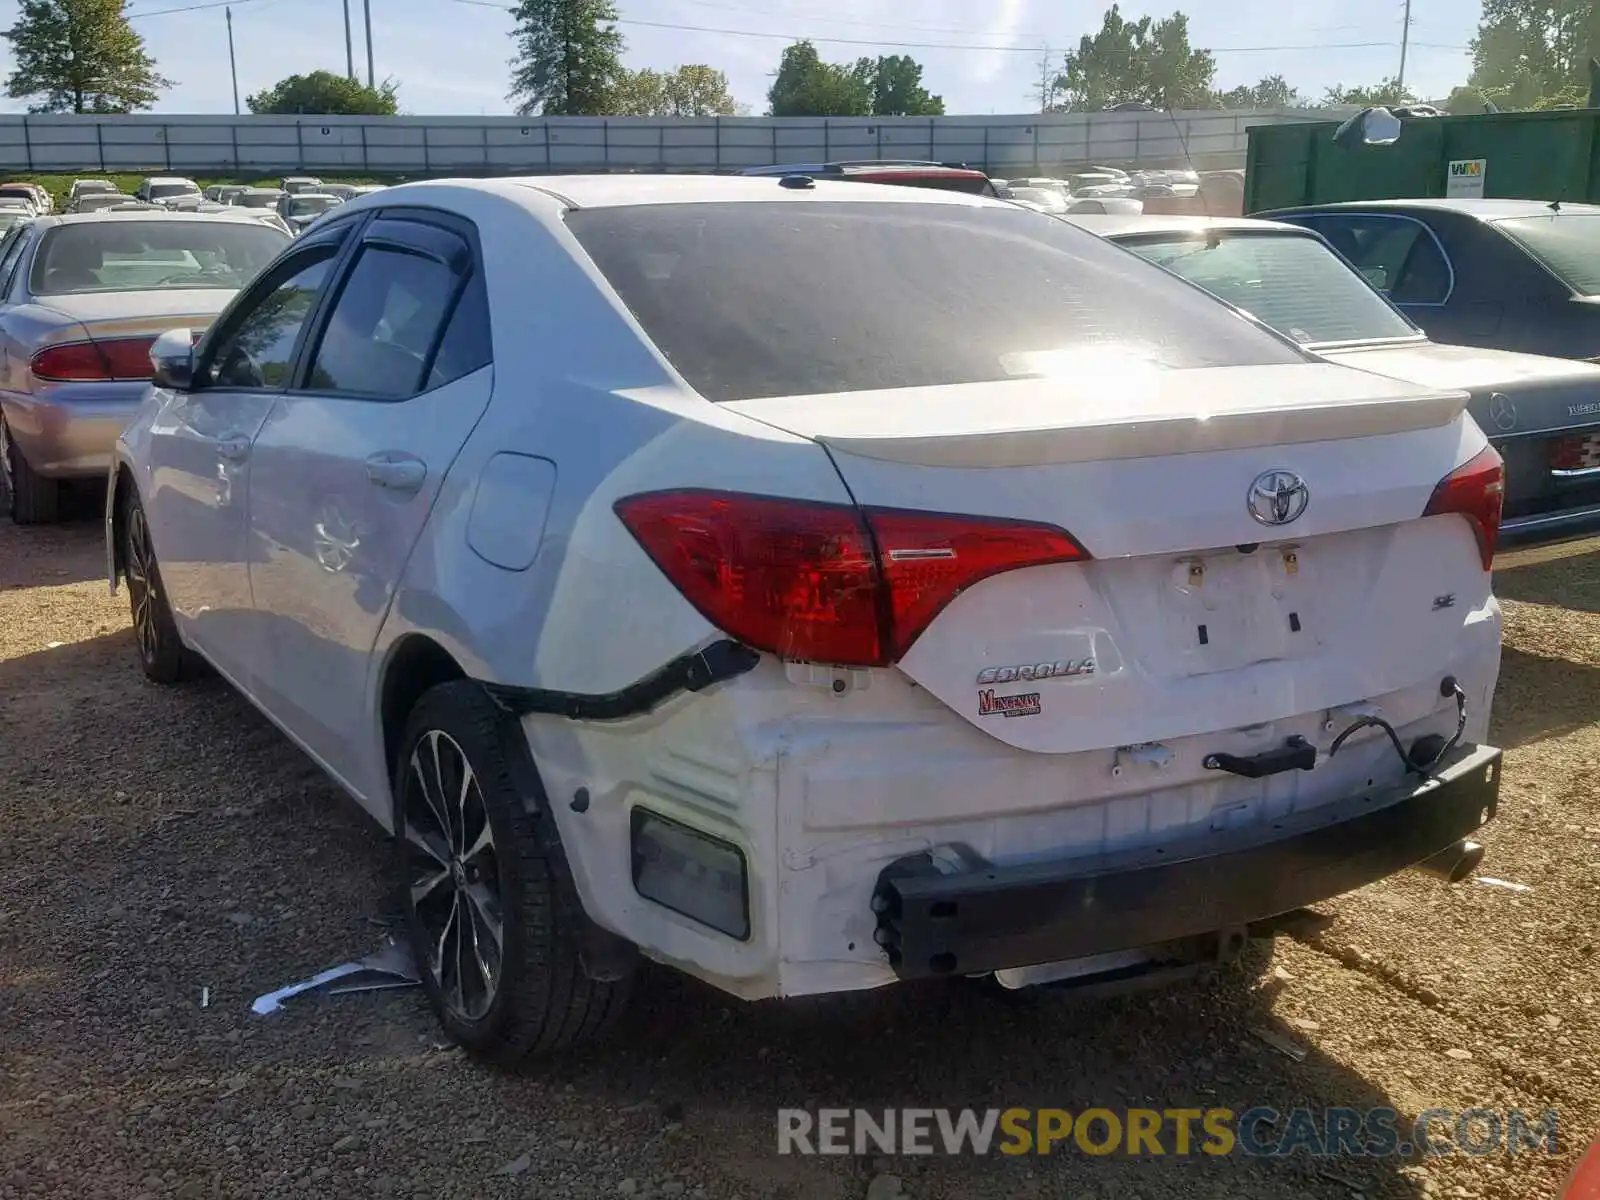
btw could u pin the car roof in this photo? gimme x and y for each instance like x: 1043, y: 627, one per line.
x: 1124, y: 224
x: 614, y: 191
x: 1483, y: 210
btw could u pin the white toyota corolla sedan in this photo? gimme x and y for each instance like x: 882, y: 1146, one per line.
x: 812, y: 586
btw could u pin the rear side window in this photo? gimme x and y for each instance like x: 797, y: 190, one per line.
x: 1398, y: 255
x: 1292, y: 281
x: 1567, y: 244
x: 783, y: 299
x: 382, y: 332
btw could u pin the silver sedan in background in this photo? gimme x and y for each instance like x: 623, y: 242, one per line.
x: 81, y: 300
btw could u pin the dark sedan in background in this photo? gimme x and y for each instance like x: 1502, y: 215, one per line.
x: 1541, y: 413
x: 1514, y: 274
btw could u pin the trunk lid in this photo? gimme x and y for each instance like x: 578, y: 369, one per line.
x: 1544, y: 394
x: 133, y: 314
x: 1192, y: 615
x: 1529, y: 405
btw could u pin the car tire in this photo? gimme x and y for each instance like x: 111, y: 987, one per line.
x: 31, y: 498
x: 492, y: 860
x: 162, y: 654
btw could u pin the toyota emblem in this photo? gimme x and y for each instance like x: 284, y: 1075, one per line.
x: 1277, y: 497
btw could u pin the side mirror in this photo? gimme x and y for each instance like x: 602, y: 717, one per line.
x: 172, y: 360
x: 1369, y: 127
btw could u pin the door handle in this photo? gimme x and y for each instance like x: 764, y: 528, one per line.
x: 398, y: 472
x: 234, y: 449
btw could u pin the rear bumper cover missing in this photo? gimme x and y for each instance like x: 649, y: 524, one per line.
x: 986, y: 918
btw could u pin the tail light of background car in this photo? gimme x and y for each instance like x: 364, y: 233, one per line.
x: 1476, y: 490
x: 94, y: 362
x: 827, y: 582
x: 1579, y: 452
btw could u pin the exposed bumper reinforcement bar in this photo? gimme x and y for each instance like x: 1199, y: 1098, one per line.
x: 936, y: 918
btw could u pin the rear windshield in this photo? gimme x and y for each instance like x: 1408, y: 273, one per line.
x: 1566, y: 243
x: 971, y: 185
x: 136, y: 256
x: 1290, y: 281
x: 784, y: 299
x: 1047, y: 198
x: 304, y: 206
x: 257, y: 199
x: 160, y: 190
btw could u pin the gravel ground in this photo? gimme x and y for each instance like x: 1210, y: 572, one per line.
x: 161, y: 841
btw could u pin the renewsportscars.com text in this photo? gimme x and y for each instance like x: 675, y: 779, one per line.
x: 1264, y: 1132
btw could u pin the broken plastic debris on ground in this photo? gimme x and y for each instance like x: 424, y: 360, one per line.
x: 390, y: 966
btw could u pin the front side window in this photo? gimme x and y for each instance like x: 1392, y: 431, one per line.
x: 385, y: 324
x: 791, y: 299
x: 1566, y: 244
x: 1290, y: 281
x: 1398, y: 255
x: 258, y: 349
x: 151, y: 255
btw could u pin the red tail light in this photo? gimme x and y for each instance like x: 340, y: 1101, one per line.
x: 1580, y: 452
x: 827, y: 582
x: 1477, y: 490
x: 102, y: 361
x: 72, y: 362
x: 128, y: 358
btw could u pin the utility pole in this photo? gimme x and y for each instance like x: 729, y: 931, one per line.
x: 1405, y: 44
x: 366, y: 8
x: 1046, y: 90
x: 233, y: 64
x: 349, y: 46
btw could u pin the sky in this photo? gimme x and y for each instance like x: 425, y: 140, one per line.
x: 449, y: 57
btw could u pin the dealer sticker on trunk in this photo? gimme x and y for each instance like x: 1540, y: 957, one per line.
x: 1025, y: 705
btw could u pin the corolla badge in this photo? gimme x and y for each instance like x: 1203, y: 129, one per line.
x: 1277, y: 497
x: 1502, y: 412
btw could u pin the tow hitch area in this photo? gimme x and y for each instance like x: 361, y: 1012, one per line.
x: 950, y: 912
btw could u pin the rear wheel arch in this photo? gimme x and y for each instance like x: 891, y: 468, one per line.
x: 124, y: 489
x: 415, y: 665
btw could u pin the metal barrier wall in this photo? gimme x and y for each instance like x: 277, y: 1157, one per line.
x: 1005, y: 145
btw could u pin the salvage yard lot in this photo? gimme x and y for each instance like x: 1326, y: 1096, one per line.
x: 154, y: 842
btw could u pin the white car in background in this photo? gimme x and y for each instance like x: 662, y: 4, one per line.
x: 164, y: 189
x: 943, y: 633
x: 89, y: 187
x: 300, y: 209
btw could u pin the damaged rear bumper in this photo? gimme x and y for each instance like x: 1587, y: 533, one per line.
x: 933, y: 921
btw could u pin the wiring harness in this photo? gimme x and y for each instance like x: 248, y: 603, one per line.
x: 1420, y: 760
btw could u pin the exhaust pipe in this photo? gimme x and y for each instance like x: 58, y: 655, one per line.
x: 1454, y: 863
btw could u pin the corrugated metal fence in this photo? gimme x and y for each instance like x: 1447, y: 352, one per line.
x: 1007, y: 145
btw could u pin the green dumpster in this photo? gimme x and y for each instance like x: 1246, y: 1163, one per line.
x: 1525, y: 156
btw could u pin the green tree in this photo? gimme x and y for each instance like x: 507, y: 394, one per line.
x: 694, y: 90
x: 897, y: 89
x: 1389, y: 92
x: 887, y: 86
x: 325, y: 92
x: 1526, y: 52
x: 569, y: 57
x: 80, y: 56
x: 1272, y: 92
x: 806, y: 86
x: 1145, y: 60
